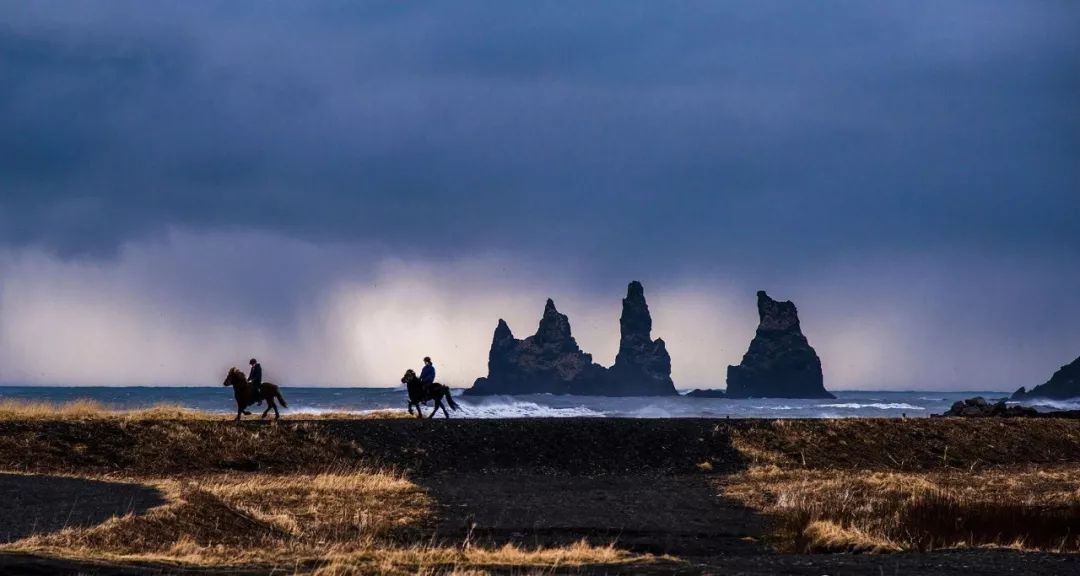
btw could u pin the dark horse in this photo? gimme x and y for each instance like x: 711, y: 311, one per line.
x: 245, y: 394
x: 420, y: 391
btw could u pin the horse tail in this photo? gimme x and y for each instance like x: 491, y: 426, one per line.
x: 450, y: 398
x: 280, y: 398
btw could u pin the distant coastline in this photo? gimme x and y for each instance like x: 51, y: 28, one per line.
x: 321, y: 400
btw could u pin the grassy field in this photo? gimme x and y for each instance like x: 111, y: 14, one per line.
x: 379, y: 494
x: 290, y: 497
x: 342, y: 522
x: 876, y: 511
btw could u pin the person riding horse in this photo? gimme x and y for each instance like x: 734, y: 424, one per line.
x: 424, y: 388
x: 255, y: 379
x: 244, y: 391
x: 427, y: 373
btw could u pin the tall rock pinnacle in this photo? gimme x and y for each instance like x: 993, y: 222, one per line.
x: 780, y: 362
x: 550, y: 361
x: 643, y: 365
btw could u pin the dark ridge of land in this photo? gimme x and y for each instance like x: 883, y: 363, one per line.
x: 583, y: 446
x: 649, y: 486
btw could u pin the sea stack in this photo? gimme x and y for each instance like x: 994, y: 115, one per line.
x: 643, y: 365
x: 548, y: 362
x: 1065, y: 383
x: 780, y: 362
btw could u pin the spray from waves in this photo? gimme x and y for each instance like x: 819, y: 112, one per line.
x: 1073, y: 404
x: 506, y: 408
x: 876, y: 405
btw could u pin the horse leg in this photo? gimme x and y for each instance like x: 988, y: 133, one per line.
x: 409, y: 404
x: 435, y: 410
x: 239, y: 411
x: 277, y: 415
x: 267, y: 411
x: 445, y: 413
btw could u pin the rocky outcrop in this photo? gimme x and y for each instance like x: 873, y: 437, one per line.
x: 780, y: 362
x: 643, y: 365
x: 1065, y: 383
x: 978, y: 407
x: 550, y: 361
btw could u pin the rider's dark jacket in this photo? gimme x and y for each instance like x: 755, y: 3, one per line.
x: 255, y: 377
x: 427, y: 374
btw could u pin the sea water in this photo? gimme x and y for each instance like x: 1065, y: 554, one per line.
x: 358, y: 400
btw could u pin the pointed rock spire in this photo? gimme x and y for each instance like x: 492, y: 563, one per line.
x: 551, y: 362
x: 780, y: 362
x: 554, y: 329
x: 548, y: 362
x: 642, y: 366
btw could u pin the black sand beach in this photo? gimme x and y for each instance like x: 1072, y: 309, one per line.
x: 648, y: 486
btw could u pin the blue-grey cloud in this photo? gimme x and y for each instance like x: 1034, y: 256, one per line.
x: 848, y: 128
x: 773, y: 143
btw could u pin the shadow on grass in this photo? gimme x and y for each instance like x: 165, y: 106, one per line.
x: 38, y: 504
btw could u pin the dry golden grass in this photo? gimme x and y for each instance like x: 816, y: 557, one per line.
x: 90, y: 409
x: 470, y: 560
x: 339, y: 523
x: 867, y: 511
x: 84, y: 409
x: 256, y: 517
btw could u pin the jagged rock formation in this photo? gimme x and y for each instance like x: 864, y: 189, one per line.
x: 550, y: 361
x: 642, y: 366
x: 780, y: 362
x: 978, y: 407
x: 1065, y: 383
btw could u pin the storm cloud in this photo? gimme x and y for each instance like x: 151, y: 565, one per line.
x: 347, y: 187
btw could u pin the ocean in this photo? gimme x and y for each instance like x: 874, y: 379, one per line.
x: 323, y: 400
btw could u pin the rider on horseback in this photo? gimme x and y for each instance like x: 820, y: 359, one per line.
x: 427, y: 374
x: 255, y: 378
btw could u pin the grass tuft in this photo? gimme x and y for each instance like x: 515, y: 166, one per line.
x: 868, y: 511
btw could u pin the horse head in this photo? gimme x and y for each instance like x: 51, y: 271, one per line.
x: 408, y: 377
x: 231, y: 377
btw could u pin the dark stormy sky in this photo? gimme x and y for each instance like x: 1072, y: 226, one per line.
x: 341, y: 188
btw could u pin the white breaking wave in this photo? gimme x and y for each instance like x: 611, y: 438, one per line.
x: 879, y: 406
x: 1053, y: 404
x: 650, y: 411
x: 320, y: 411
x: 522, y: 410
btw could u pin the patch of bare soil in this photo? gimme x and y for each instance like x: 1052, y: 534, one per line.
x: 37, y: 504
x: 643, y: 513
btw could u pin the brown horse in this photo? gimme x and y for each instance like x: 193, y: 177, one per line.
x: 421, y: 392
x: 245, y: 394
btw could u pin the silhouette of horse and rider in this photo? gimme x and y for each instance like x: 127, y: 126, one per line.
x: 252, y: 390
x: 424, y: 388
